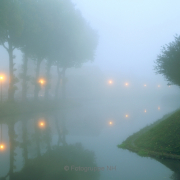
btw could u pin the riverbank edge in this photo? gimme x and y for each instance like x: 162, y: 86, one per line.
x: 130, y: 145
x: 9, y: 109
x: 146, y: 153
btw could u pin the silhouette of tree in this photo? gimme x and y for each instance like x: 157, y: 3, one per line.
x: 168, y: 62
x: 11, y: 27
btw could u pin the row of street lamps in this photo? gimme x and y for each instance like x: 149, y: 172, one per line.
x: 2, y: 78
x: 43, y: 82
x: 110, y: 82
x: 126, y: 116
x: 42, y: 125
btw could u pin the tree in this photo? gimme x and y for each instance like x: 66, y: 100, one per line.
x: 11, y: 27
x: 168, y: 62
x: 79, y: 42
x: 31, y: 28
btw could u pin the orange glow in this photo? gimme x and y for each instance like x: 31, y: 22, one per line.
x: 110, y: 81
x: 2, y: 146
x: 1, y: 77
x: 110, y: 123
x: 42, y: 124
x: 145, y: 111
x: 42, y: 81
x: 126, y: 84
x: 127, y: 115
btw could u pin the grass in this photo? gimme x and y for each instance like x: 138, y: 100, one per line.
x: 161, y: 139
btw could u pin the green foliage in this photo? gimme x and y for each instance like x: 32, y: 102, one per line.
x: 164, y: 137
x: 11, y: 22
x: 51, y: 29
x: 168, y: 62
x: 123, y: 146
x: 160, y: 138
x: 143, y: 153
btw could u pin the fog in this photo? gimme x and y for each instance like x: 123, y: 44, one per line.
x: 110, y: 98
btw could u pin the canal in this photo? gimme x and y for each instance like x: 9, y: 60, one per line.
x: 88, y: 135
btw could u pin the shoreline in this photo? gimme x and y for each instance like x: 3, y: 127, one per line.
x: 148, y: 153
x: 9, y: 109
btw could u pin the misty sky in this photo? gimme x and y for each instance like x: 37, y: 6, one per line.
x: 131, y: 32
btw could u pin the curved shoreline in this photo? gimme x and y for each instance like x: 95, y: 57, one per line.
x: 147, y: 153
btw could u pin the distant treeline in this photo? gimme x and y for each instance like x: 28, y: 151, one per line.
x: 53, y: 31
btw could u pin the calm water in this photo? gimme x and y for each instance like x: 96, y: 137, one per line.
x: 88, y: 124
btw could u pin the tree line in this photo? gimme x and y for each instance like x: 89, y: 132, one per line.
x: 53, y: 31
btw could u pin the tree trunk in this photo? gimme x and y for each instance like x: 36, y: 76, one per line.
x: 11, y: 89
x: 11, y: 147
x: 25, y: 139
x: 37, y: 139
x: 37, y: 86
x: 24, y: 81
x: 63, y: 84
x: 58, y: 84
x: 47, y: 87
x: 58, y: 129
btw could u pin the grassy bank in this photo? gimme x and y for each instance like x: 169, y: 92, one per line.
x: 19, y: 108
x: 161, y: 139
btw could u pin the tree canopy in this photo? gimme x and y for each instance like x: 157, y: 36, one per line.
x: 168, y: 62
x: 51, y: 30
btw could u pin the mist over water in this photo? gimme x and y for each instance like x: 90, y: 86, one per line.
x: 102, y: 98
x: 89, y: 124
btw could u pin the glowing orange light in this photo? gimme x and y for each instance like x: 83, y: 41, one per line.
x: 110, y: 81
x: 126, y: 115
x: 41, y: 81
x: 1, y: 146
x: 1, y: 77
x: 42, y: 124
x: 110, y: 123
x: 145, y: 111
x: 126, y: 84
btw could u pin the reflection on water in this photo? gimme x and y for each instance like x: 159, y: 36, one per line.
x: 78, y: 143
x: 61, y: 162
x: 41, y: 158
x: 174, y: 165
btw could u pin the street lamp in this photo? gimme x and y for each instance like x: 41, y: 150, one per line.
x: 110, y: 82
x: 1, y: 79
x: 2, y: 146
x: 42, y: 124
x: 42, y: 81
